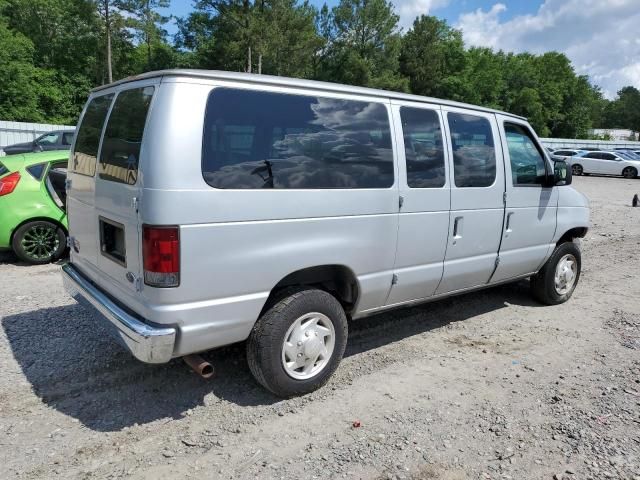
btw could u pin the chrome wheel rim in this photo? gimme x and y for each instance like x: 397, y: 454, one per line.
x: 308, y: 346
x: 40, y: 242
x: 566, y: 274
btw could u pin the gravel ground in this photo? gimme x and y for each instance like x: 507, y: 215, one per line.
x: 487, y: 385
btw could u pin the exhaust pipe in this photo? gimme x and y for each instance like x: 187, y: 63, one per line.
x: 199, y: 365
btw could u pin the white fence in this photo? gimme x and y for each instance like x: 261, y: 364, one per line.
x: 18, y: 132
x: 573, y: 143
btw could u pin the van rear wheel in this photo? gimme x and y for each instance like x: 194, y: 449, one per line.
x: 556, y: 281
x: 298, y: 343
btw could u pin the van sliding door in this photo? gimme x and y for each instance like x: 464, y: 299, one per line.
x: 426, y: 199
x: 477, y: 203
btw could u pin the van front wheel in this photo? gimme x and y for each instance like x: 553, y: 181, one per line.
x: 556, y: 281
x: 298, y: 343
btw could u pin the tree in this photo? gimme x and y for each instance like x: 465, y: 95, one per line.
x: 365, y: 47
x: 271, y: 36
x: 148, y: 24
x: 432, y: 56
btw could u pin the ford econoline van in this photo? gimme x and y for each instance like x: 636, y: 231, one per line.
x: 207, y: 208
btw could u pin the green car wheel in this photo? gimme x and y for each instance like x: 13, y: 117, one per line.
x: 39, y: 242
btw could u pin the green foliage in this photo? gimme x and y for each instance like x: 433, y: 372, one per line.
x: 52, y: 52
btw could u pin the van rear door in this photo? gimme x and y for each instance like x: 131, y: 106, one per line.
x: 118, y: 187
x: 81, y: 182
x: 104, y: 185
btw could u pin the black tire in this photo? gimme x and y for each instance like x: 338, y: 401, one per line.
x: 543, y: 285
x: 39, y: 242
x: 265, y: 344
x: 576, y: 169
x: 629, y: 172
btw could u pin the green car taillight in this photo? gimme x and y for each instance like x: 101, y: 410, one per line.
x: 8, y: 184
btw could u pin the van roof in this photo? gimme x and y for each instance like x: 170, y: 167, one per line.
x: 298, y: 83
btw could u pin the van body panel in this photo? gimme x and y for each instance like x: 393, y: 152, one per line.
x: 477, y: 213
x: 423, y: 224
x: 404, y: 244
x: 530, y: 216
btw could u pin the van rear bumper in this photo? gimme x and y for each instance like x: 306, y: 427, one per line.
x: 147, y: 343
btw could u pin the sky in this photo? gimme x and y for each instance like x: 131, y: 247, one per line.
x: 600, y: 37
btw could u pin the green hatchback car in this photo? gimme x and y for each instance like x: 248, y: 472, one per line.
x: 33, y: 220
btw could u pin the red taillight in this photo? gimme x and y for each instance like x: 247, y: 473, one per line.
x: 8, y: 183
x: 161, y: 256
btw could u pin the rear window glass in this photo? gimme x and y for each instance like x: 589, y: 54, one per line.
x: 67, y: 138
x: 88, y: 141
x: 36, y: 171
x: 474, y: 159
x: 258, y: 140
x: 120, y: 152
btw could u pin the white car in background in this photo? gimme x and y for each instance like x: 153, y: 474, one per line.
x: 606, y: 163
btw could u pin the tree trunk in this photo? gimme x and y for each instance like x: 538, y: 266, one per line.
x: 147, y: 28
x: 260, y: 64
x: 108, y: 26
x: 249, y: 61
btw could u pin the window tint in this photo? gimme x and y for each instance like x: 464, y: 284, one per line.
x: 36, y: 171
x: 527, y: 162
x: 67, y: 138
x: 3, y: 169
x: 607, y: 156
x: 120, y: 152
x: 274, y: 140
x: 86, y: 151
x: 423, y: 148
x: 593, y: 155
x: 48, y: 139
x: 474, y: 159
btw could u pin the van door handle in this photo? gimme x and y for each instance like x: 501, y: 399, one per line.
x: 457, y: 227
x: 507, y: 227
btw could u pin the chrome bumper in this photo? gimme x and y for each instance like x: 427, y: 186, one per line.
x: 147, y: 343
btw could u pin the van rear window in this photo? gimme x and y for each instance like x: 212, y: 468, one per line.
x: 120, y: 152
x: 283, y: 141
x: 89, y: 132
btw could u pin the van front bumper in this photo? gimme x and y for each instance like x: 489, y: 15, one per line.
x: 150, y: 344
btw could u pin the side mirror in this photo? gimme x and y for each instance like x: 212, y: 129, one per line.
x: 561, y: 173
x: 37, y: 147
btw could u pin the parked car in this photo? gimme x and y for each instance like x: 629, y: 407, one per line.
x: 566, y: 154
x: 54, y: 140
x: 605, y: 163
x: 33, y: 222
x: 275, y: 210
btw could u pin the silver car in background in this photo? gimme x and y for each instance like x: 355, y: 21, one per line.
x: 618, y: 163
x: 207, y: 208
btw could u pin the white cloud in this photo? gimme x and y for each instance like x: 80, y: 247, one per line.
x: 600, y: 37
x: 410, y: 9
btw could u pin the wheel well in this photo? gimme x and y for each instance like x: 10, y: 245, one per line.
x: 569, y: 235
x: 37, y: 219
x: 338, y: 280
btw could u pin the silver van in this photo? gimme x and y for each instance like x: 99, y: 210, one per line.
x: 207, y: 208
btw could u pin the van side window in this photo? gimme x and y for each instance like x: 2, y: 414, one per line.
x: 89, y: 132
x: 474, y: 158
x: 423, y: 148
x: 527, y: 162
x: 273, y: 140
x: 120, y: 152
